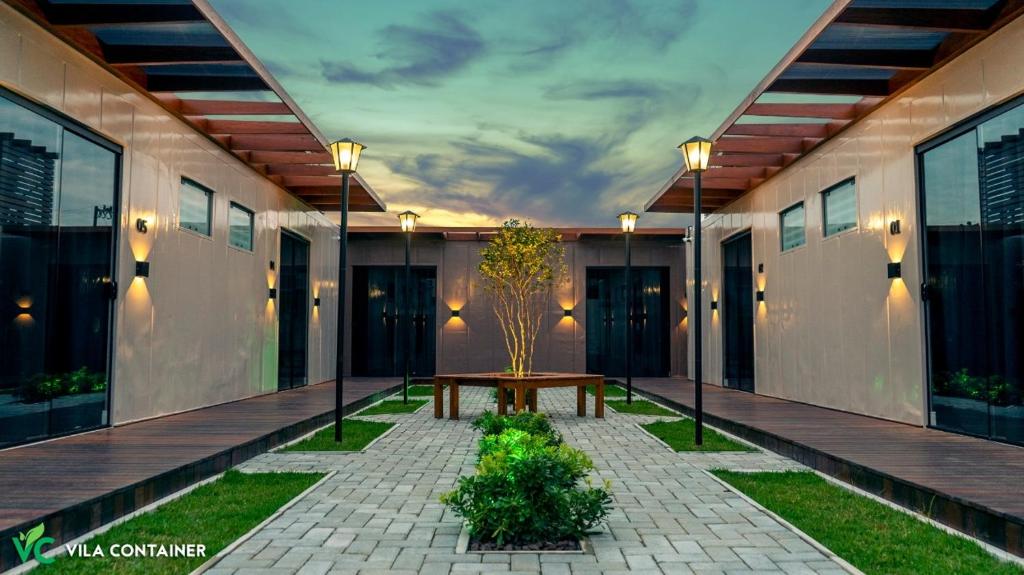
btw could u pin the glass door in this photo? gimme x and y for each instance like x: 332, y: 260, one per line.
x: 293, y: 317
x: 972, y: 185
x: 58, y: 198
x: 378, y: 317
x: 738, y: 312
x: 606, y: 322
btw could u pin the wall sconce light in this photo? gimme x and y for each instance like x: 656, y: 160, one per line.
x: 142, y: 269
x: 567, y: 312
x: 316, y: 302
x: 760, y: 295
x: 894, y: 228
x: 714, y: 305
x: 271, y: 264
x: 895, y: 270
x: 455, y: 312
x: 760, y: 268
x: 272, y: 294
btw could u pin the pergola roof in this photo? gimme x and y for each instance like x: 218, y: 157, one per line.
x: 179, y: 52
x: 858, y: 55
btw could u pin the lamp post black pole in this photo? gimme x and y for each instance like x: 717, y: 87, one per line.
x: 629, y: 323
x: 339, y: 368
x: 698, y: 375
x: 407, y: 296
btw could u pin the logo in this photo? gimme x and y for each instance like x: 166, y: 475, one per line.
x: 31, y: 543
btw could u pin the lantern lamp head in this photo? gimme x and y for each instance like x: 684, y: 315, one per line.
x: 408, y: 220
x: 346, y: 155
x: 628, y: 222
x: 697, y: 153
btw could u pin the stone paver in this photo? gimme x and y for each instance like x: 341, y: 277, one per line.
x: 380, y: 512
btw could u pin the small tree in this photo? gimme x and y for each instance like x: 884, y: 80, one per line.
x: 519, y: 267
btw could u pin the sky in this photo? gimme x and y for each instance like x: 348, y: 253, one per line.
x: 558, y: 112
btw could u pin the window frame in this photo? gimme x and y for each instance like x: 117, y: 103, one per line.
x: 782, y: 234
x: 209, y: 211
x: 252, y: 227
x: 852, y: 180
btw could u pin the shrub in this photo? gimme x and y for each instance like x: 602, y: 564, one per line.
x: 528, y: 490
x: 533, y: 423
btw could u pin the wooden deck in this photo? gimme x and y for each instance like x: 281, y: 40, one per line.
x: 75, y: 484
x: 971, y: 484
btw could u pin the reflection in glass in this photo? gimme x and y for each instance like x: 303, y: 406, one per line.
x: 240, y: 227
x: 57, y: 192
x: 792, y: 224
x: 195, y: 204
x: 606, y: 321
x: 974, y: 218
x: 377, y: 301
x: 840, y: 208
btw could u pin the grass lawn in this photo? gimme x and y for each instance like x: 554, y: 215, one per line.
x: 609, y: 391
x: 393, y: 406
x: 640, y: 407
x: 422, y: 390
x: 679, y: 435
x: 871, y: 536
x: 214, y: 514
x: 356, y: 434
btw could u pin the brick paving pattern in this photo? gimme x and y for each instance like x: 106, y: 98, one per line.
x: 380, y: 513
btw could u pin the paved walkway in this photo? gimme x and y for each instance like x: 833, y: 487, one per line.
x: 380, y: 512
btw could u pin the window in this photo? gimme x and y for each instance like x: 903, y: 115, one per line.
x: 195, y: 205
x: 791, y: 222
x: 839, y: 205
x: 240, y: 227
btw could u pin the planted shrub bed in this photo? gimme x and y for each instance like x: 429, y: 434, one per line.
x: 530, y: 491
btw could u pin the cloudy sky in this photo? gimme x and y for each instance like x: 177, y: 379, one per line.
x: 563, y: 112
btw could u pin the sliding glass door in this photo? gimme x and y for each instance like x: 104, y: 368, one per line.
x: 972, y: 185
x: 606, y: 321
x: 378, y: 319
x: 58, y: 198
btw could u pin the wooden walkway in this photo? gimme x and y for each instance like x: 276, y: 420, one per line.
x: 971, y: 484
x: 77, y: 483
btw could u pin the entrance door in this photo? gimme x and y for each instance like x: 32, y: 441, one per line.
x: 606, y: 322
x: 738, y: 313
x: 378, y: 311
x: 973, y: 210
x: 293, y: 317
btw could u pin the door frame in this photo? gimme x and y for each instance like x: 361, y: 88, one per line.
x: 735, y: 236
x: 308, y: 309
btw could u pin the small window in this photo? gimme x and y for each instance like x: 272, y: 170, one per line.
x: 840, y: 207
x: 195, y: 206
x: 240, y: 227
x: 791, y: 222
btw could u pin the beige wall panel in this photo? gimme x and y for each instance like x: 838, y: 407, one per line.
x: 82, y: 99
x: 42, y: 71
x: 10, y: 48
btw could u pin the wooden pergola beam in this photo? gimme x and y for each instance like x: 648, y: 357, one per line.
x: 808, y: 110
x: 301, y: 169
x: 278, y: 157
x: 232, y: 127
x: 779, y: 130
x: 750, y: 144
x: 232, y: 108
x: 887, y: 59
x: 274, y: 142
x: 831, y: 86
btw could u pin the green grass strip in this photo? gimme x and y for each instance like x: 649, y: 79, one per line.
x: 873, y: 537
x: 393, y: 406
x: 640, y: 407
x: 678, y: 435
x: 610, y: 390
x: 356, y: 434
x: 215, y: 515
x: 422, y: 390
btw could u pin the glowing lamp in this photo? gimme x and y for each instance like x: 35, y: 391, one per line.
x: 346, y: 155
x: 697, y: 153
x: 628, y: 222
x: 408, y: 220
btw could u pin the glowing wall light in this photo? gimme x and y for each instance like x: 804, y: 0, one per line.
x: 456, y: 312
x: 894, y: 270
x: 142, y: 269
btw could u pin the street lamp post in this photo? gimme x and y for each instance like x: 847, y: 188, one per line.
x: 628, y: 222
x: 408, y: 221
x: 697, y: 152
x: 346, y: 158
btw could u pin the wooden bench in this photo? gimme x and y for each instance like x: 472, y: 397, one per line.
x: 525, y: 390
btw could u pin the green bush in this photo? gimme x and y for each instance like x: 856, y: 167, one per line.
x: 44, y: 386
x: 533, y: 423
x: 528, y: 490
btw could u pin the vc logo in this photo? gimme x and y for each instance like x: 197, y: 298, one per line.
x: 32, y: 544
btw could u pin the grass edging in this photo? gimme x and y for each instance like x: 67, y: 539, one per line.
x: 668, y: 412
x: 391, y: 427
x: 807, y: 538
x: 281, y: 510
x: 393, y: 398
x: 991, y: 549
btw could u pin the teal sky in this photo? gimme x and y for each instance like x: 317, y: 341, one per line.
x: 562, y: 112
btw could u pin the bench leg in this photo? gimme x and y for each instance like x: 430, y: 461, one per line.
x: 599, y: 398
x: 502, y: 400
x: 453, y: 401
x: 520, y: 399
x: 438, y: 399
x: 533, y: 400
x: 581, y: 400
